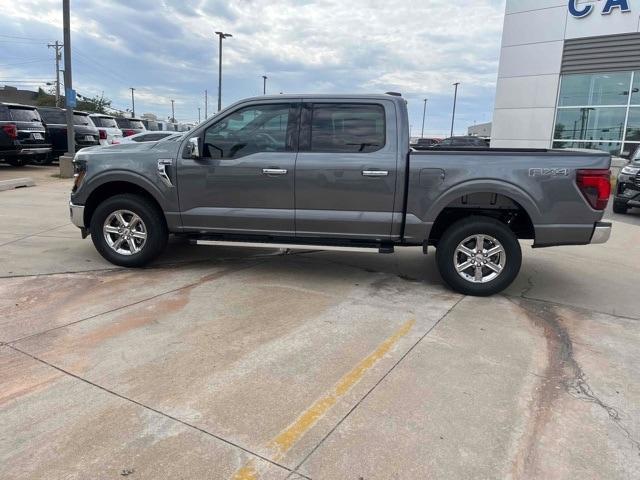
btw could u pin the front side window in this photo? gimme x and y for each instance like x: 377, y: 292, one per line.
x: 349, y: 128
x: 254, y: 129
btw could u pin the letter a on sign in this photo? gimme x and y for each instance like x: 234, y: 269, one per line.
x: 577, y: 12
x: 623, y: 5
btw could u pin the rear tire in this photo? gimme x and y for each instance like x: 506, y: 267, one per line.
x: 479, y: 256
x: 128, y: 230
x: 620, y: 208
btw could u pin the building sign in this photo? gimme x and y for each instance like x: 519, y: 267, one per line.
x: 583, y: 11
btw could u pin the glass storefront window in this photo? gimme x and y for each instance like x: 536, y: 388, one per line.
x: 633, y: 125
x: 595, y: 89
x: 590, y: 123
x: 630, y: 149
x: 612, y: 147
x: 635, y: 90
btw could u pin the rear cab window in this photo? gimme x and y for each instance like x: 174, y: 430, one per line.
x: 347, y: 127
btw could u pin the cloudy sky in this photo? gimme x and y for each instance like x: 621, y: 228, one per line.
x: 166, y: 49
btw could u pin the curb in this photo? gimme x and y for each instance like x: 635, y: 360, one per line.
x: 16, y: 183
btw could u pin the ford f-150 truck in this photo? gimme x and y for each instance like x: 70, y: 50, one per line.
x: 337, y: 172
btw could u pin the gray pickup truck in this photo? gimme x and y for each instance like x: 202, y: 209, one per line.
x: 337, y: 172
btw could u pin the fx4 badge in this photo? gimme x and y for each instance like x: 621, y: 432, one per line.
x: 548, y: 172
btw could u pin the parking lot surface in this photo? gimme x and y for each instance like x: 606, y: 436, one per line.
x: 225, y: 363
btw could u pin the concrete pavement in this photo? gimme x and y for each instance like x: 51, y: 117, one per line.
x: 245, y: 364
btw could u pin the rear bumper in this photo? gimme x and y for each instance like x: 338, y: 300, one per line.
x: 25, y: 151
x: 601, y: 233
x: 76, y: 212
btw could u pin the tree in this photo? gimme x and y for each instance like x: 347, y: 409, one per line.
x: 95, y: 104
x: 44, y: 99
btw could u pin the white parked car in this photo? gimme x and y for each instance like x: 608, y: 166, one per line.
x: 109, y: 131
x: 148, y: 136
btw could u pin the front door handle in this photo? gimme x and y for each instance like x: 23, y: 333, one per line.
x: 375, y: 173
x: 274, y: 171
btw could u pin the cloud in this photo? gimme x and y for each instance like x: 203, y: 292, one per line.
x: 167, y: 50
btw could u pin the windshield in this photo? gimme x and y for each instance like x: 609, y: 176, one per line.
x: 105, y: 122
x: 25, y: 115
x: 53, y: 116
x: 82, y: 120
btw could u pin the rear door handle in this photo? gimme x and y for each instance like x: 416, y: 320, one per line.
x: 375, y: 173
x: 274, y: 171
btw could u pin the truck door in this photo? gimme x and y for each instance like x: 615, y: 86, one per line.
x: 243, y: 183
x: 346, y: 170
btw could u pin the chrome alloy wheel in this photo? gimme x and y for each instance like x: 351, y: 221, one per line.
x: 479, y: 259
x: 125, y: 232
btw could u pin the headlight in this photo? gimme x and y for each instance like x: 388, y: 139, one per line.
x: 629, y: 170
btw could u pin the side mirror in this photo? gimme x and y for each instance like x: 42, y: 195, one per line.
x: 193, y: 148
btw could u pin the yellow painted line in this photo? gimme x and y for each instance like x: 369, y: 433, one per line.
x: 290, y: 436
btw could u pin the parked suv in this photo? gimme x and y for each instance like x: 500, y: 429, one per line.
x: 628, y: 190
x: 108, y: 128
x: 22, y: 135
x: 55, y: 120
x: 131, y: 126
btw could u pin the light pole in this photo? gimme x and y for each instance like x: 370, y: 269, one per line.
x: 133, y: 102
x: 264, y: 84
x: 455, y: 99
x: 424, y: 115
x: 173, y: 111
x: 206, y: 104
x: 199, y: 115
x: 68, y: 84
x: 221, y: 36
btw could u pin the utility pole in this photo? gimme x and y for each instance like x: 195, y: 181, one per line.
x: 133, y: 102
x: 173, y: 111
x: 455, y: 99
x: 221, y: 36
x: 58, y: 46
x: 264, y: 84
x: 198, y: 114
x: 424, y: 114
x: 206, y: 104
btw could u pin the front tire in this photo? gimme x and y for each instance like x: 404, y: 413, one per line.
x: 619, y: 207
x: 128, y: 230
x: 479, y: 256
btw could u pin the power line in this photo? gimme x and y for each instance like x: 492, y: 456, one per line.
x: 23, y: 38
x: 23, y: 63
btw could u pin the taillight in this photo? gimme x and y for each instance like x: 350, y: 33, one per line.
x: 103, y: 134
x: 11, y: 130
x: 128, y: 133
x: 595, y: 185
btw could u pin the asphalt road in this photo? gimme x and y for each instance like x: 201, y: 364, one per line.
x: 238, y: 364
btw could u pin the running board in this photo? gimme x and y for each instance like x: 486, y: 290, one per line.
x: 295, y: 246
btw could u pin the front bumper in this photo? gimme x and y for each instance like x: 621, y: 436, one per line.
x: 601, y: 233
x: 76, y: 212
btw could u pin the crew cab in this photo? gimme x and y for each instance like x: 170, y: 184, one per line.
x: 22, y: 135
x: 85, y: 132
x: 327, y: 172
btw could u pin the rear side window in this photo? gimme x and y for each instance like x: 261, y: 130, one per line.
x: 349, y: 128
x: 24, y: 115
x: 53, y: 116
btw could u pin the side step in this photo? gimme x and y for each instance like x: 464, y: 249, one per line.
x: 296, y: 246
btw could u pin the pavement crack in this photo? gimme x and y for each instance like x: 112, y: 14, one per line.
x: 562, y: 373
x: 151, y: 409
x: 371, y: 390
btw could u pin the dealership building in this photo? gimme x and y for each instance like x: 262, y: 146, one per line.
x: 569, y: 76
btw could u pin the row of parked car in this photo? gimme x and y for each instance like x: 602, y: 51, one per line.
x: 39, y: 134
